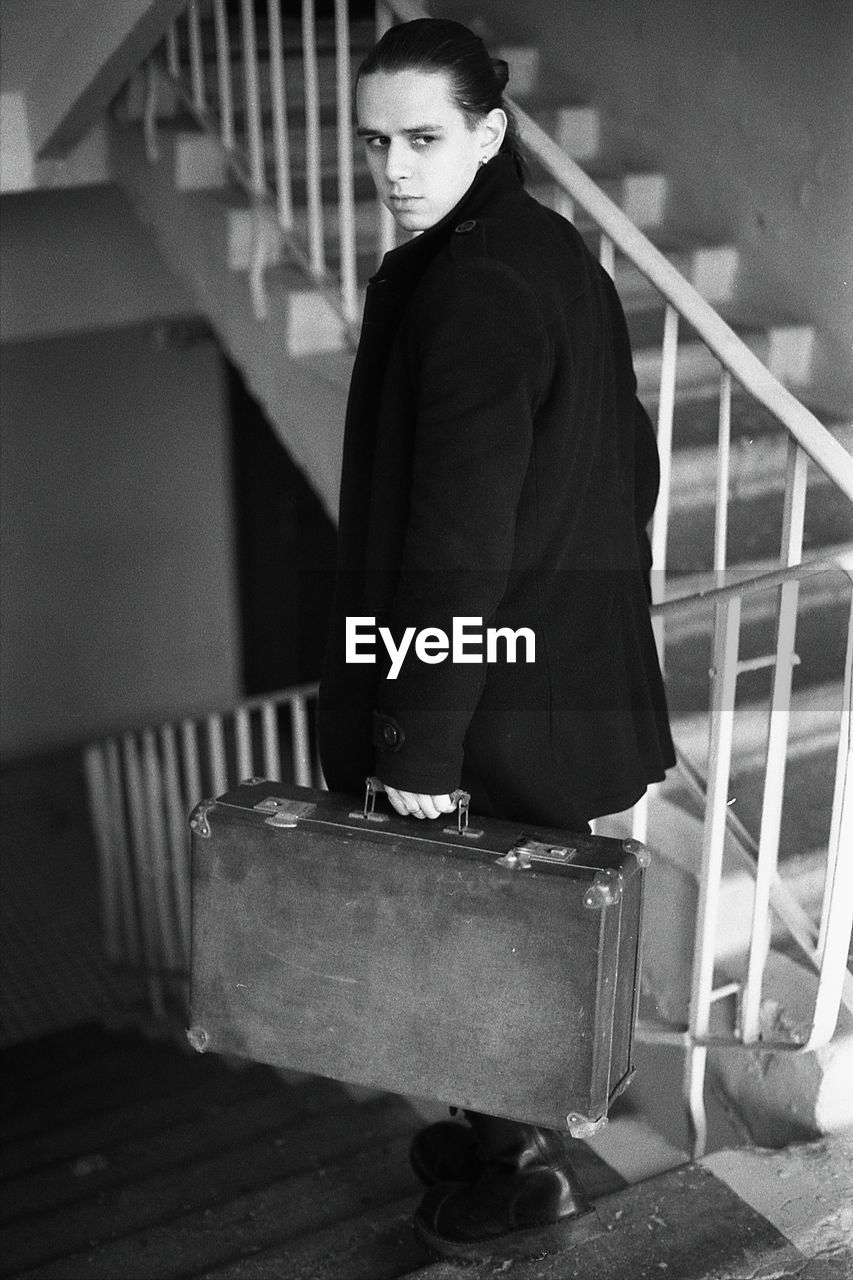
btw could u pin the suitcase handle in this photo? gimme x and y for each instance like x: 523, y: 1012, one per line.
x: 373, y: 786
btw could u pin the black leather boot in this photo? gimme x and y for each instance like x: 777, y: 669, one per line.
x: 446, y: 1151
x: 523, y: 1201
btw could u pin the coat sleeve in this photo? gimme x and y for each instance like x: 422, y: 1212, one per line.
x: 481, y: 357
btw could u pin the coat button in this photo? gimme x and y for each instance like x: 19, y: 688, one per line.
x: 469, y: 225
x: 387, y: 734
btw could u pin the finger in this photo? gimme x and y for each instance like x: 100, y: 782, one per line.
x: 427, y: 805
x: 444, y: 804
x: 435, y: 806
x: 398, y: 800
x: 407, y: 803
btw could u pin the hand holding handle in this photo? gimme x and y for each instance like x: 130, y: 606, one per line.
x: 461, y: 800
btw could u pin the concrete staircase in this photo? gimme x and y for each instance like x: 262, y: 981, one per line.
x: 131, y: 1156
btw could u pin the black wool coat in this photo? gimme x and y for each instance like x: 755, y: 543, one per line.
x: 497, y: 466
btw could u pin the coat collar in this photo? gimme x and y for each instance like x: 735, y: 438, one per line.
x: 494, y: 181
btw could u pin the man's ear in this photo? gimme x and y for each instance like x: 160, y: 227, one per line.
x: 493, y: 127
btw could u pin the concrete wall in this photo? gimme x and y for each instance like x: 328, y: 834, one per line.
x: 80, y: 260
x: 117, y: 594
x: 749, y: 108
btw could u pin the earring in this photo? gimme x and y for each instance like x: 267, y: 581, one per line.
x: 484, y: 160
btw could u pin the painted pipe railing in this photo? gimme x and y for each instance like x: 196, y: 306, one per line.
x: 261, y: 160
x: 142, y: 786
x: 827, y: 954
x: 247, y: 63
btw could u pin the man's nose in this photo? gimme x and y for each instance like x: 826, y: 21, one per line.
x: 397, y: 160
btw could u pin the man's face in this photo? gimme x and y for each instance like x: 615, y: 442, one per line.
x: 420, y: 148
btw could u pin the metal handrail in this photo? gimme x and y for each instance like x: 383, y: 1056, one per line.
x: 731, y: 351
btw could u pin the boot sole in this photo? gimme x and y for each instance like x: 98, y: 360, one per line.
x: 532, y: 1242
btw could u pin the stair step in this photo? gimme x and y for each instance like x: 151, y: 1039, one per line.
x: 110, y: 1083
x: 31, y: 1065
x: 820, y: 647
x: 696, y: 417
x: 576, y: 127
x: 813, y: 729
x: 809, y: 780
x: 758, y: 465
x: 785, y: 348
x: 821, y: 630
x: 138, y: 1117
x: 362, y: 36
x: 241, y: 232
x: 754, y: 524
x: 295, y: 1180
x: 248, y: 1116
x: 641, y: 195
x: 377, y: 1244
x: 710, y: 268
x: 153, y: 1193
x: 235, y: 1219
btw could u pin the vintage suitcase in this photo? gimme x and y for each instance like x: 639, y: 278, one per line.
x: 477, y: 962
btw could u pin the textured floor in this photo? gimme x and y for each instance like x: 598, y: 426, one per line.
x: 131, y: 1157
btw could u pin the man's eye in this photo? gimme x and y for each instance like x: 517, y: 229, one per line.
x: 423, y: 139
x: 376, y: 144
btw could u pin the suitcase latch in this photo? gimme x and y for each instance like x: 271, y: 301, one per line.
x: 284, y: 813
x: 522, y: 856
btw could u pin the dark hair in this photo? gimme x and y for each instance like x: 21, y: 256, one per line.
x: 477, y: 80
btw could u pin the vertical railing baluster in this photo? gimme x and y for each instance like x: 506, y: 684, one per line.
x: 724, y: 682
x: 607, y: 254
x: 313, y: 171
x: 252, y: 94
x: 148, y: 918
x: 640, y: 815
x: 243, y: 733
x: 216, y: 755
x: 177, y: 838
x: 301, y: 741
x: 269, y: 730
x: 149, y: 111
x: 843, y: 776
x: 196, y: 56
x: 281, y: 134
x: 157, y: 839
x: 721, y: 508
x: 120, y: 837
x: 173, y: 56
x: 777, y: 742
x: 346, y: 188
x: 387, y: 225
x: 224, y: 74
x: 837, y: 910
x: 99, y: 804
x: 193, y: 785
x: 666, y: 413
